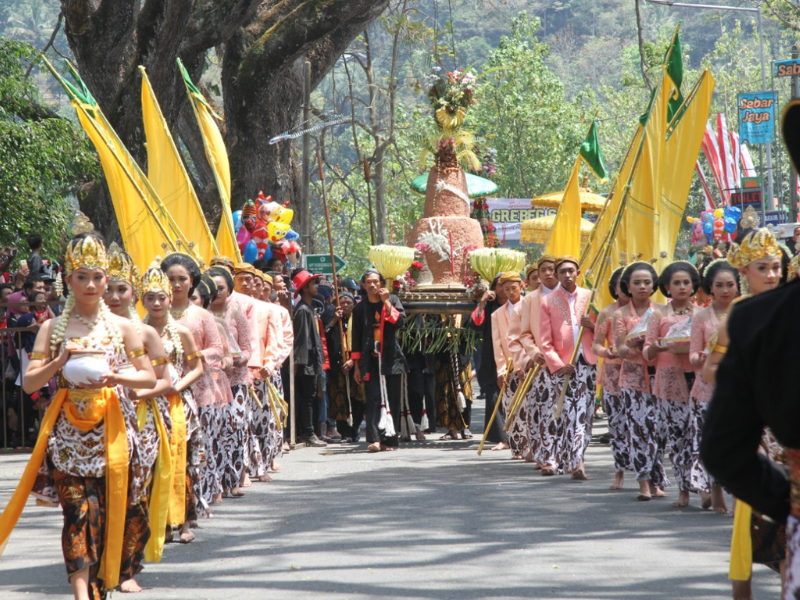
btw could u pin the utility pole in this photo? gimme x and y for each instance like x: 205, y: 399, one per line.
x: 305, y: 209
x: 793, y: 178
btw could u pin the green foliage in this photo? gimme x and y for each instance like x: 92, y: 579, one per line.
x: 524, y: 113
x: 44, y: 158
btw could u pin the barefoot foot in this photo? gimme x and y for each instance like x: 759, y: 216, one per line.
x: 718, y: 500
x: 246, y: 481
x: 644, y: 491
x: 130, y: 586
x: 276, y: 466
x: 619, y: 477
x: 683, y: 499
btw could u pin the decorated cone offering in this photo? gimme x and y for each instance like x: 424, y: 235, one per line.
x: 489, y: 262
x: 391, y: 261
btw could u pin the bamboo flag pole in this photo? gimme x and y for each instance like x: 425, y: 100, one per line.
x: 509, y: 370
x: 519, y: 397
x: 343, y: 337
x: 603, y: 267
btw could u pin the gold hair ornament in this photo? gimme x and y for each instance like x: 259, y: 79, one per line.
x: 755, y: 245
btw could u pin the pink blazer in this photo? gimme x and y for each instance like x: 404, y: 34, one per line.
x: 524, y: 338
x: 555, y: 328
x: 500, y: 341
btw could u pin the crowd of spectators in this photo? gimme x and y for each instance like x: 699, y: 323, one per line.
x: 29, y: 296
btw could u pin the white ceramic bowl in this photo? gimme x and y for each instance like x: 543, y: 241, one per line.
x: 85, y: 368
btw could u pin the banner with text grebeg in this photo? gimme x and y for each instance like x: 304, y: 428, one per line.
x: 507, y: 214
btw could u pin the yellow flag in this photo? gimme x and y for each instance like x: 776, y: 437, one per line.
x: 682, y: 148
x: 142, y: 234
x: 144, y: 222
x: 565, y: 238
x: 642, y: 214
x: 217, y: 157
x: 169, y: 178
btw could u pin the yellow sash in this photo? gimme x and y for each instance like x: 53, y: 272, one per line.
x: 741, y: 543
x: 105, y: 405
x: 162, y: 474
x: 177, y: 449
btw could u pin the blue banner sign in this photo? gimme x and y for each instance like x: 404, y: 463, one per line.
x: 757, y: 117
x: 787, y: 68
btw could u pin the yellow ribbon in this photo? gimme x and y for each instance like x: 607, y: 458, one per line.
x: 177, y: 450
x: 160, y: 493
x: 741, y: 543
x: 104, y: 405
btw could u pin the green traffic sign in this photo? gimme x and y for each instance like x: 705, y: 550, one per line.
x: 321, y: 263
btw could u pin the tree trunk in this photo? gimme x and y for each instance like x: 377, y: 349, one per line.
x: 263, y: 43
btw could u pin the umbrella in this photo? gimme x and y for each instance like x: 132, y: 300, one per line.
x: 477, y: 187
x: 537, y: 231
x: 590, y: 202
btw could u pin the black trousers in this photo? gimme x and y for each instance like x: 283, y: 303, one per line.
x: 373, y: 408
x: 358, y: 416
x: 496, y: 433
x: 305, y: 397
x: 416, y: 394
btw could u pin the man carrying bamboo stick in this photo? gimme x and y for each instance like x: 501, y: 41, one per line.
x: 524, y: 343
x: 563, y: 314
x: 518, y: 437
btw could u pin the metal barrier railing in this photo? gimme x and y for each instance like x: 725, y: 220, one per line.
x: 11, y: 393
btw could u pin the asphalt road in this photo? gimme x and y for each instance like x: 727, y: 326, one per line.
x: 430, y: 521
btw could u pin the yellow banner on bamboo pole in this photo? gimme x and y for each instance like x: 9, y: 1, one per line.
x: 565, y: 237
x: 682, y: 148
x: 167, y: 174
x: 217, y: 157
x: 602, y: 228
x: 642, y: 215
x: 144, y: 222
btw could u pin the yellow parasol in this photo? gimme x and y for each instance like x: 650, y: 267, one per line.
x: 590, y: 202
x: 537, y: 231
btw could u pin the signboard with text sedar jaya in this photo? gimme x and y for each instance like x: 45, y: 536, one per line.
x: 321, y: 263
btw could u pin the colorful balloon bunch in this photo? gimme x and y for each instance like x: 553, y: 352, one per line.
x: 714, y: 226
x: 264, y: 229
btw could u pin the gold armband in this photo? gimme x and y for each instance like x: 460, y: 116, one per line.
x: 37, y: 355
x: 194, y: 355
x: 720, y: 349
x: 158, y: 361
x: 137, y: 353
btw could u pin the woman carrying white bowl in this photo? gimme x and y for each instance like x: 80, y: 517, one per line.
x: 81, y: 458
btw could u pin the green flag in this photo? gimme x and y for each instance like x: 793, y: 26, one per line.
x: 674, y: 63
x: 590, y: 153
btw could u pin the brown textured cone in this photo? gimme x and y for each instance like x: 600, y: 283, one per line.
x: 446, y: 203
x: 466, y: 232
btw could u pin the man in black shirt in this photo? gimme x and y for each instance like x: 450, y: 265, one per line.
x: 377, y: 355
x: 35, y: 263
x: 309, y: 356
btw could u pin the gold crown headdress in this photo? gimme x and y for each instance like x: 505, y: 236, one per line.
x: 88, y: 252
x: 155, y: 280
x: 185, y: 250
x: 756, y: 244
x: 121, y: 267
x: 749, y: 219
x: 794, y: 269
